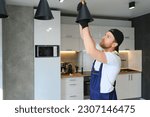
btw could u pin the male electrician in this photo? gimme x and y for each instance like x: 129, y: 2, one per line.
x: 107, y: 62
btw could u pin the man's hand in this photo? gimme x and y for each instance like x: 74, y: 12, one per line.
x: 84, y: 23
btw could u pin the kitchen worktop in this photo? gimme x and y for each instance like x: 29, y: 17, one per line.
x: 128, y: 71
x: 74, y: 75
x: 88, y: 73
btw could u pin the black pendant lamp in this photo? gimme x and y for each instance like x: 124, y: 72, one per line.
x: 43, y: 11
x: 3, y: 12
x: 84, y: 13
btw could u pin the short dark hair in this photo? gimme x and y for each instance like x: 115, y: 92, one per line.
x: 119, y: 37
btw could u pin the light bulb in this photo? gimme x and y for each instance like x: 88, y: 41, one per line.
x: 61, y: 1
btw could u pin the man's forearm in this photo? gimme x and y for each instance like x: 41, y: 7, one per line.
x: 81, y: 33
x: 88, y: 40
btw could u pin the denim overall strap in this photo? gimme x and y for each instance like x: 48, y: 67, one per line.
x: 95, y: 86
x: 95, y: 82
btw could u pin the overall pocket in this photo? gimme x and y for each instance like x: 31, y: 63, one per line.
x: 95, y: 82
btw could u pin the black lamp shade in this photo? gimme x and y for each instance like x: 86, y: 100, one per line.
x: 3, y: 12
x: 84, y: 14
x: 43, y: 11
x: 131, y: 5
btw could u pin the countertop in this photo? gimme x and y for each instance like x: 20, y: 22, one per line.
x: 88, y: 73
x: 74, y: 75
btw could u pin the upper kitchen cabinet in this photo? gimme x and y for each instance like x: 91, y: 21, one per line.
x: 71, y: 40
x: 70, y: 37
x: 135, y: 60
x: 128, y: 44
x: 46, y: 31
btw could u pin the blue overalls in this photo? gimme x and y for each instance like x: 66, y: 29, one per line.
x: 95, y: 86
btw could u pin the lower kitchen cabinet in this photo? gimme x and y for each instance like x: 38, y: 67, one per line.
x: 72, y: 88
x: 128, y: 86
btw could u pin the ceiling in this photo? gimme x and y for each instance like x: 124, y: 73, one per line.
x: 98, y: 8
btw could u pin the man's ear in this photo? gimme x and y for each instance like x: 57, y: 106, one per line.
x: 115, y: 45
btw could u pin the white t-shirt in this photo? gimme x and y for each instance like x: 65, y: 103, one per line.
x: 109, y: 71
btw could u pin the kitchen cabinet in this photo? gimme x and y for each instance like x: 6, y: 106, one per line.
x: 128, y: 44
x: 47, y: 79
x: 71, y: 40
x: 46, y: 31
x: 129, y: 41
x: 70, y: 44
x: 72, y: 88
x: 70, y: 37
x: 128, y: 86
x: 135, y: 60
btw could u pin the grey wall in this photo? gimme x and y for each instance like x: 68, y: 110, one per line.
x: 18, y: 51
x: 142, y: 42
x: 1, y: 73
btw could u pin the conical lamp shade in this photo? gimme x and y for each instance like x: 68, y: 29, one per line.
x: 3, y: 12
x: 43, y: 11
x: 84, y: 14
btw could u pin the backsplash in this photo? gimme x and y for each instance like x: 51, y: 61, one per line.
x: 124, y: 59
x: 70, y: 57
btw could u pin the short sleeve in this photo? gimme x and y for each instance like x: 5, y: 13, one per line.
x: 112, y: 58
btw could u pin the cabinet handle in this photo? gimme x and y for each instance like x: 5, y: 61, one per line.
x: 131, y: 76
x: 73, y: 84
x: 72, y: 80
x: 73, y: 96
x: 68, y: 49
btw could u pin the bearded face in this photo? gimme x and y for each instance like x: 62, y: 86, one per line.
x: 107, y: 41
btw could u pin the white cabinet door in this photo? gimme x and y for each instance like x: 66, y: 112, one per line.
x: 70, y: 44
x: 135, y: 85
x: 128, y: 86
x: 128, y: 43
x: 70, y: 37
x: 122, y: 86
x: 46, y: 32
x: 70, y: 30
x: 72, y: 88
x: 97, y: 32
x: 47, y: 79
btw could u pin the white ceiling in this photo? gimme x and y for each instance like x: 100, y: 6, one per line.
x: 104, y: 8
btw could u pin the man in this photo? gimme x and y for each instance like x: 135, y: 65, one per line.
x: 107, y: 62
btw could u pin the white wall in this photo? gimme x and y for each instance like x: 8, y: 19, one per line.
x: 98, y: 22
x: 1, y: 81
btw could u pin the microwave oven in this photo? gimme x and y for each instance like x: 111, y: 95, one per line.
x: 46, y: 50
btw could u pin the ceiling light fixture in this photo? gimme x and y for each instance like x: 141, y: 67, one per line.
x: 61, y: 1
x: 132, y: 5
x: 43, y: 11
x: 3, y: 12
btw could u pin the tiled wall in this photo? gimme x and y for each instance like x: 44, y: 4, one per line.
x: 70, y: 56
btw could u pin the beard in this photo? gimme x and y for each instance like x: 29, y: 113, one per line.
x: 103, y: 45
